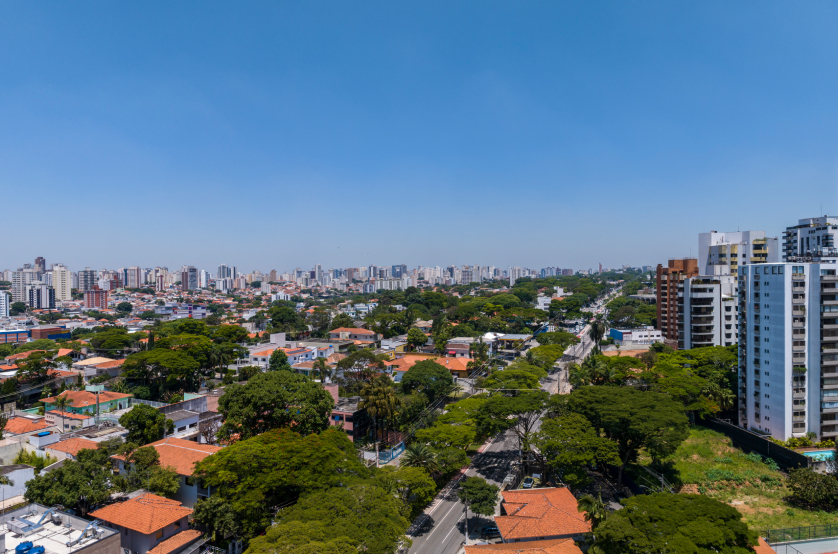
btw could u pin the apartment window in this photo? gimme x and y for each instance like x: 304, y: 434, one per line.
x: 177, y: 524
x: 159, y: 535
x: 766, y: 396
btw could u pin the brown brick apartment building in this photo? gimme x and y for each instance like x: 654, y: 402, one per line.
x: 667, y: 295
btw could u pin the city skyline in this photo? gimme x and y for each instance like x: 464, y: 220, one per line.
x: 358, y: 136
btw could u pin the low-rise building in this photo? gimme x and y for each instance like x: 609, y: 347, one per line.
x: 58, y: 532
x: 540, y: 514
x: 150, y: 524
x: 85, y: 402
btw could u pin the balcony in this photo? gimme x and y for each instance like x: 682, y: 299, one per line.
x: 798, y: 324
x: 829, y: 278
x: 798, y: 276
x: 798, y: 288
x: 798, y: 312
x: 798, y: 418
x: 798, y: 301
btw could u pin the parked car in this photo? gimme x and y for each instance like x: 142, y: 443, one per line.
x: 490, y: 531
x: 528, y: 483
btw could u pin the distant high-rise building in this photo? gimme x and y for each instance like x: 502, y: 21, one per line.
x: 811, y: 236
x: 96, y: 299
x: 40, y: 296
x: 20, y: 280
x: 399, y: 271
x: 723, y: 253
x: 87, y: 279
x: 708, y: 311
x: 133, y: 277
x: 5, y: 303
x: 204, y: 279
x: 272, y: 276
x: 567, y: 272
x: 188, y: 278
x: 668, y: 279
x: 62, y: 282
x: 224, y: 271
x: 40, y: 265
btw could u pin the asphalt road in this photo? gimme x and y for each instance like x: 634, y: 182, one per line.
x: 443, y: 530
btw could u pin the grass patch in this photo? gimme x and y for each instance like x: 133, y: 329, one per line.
x: 708, y: 463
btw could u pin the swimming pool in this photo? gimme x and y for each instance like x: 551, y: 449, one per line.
x: 819, y: 455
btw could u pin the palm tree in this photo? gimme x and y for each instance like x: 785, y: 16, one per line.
x: 61, y: 404
x: 379, y: 399
x: 597, y: 331
x: 322, y: 368
x: 578, y: 376
x: 420, y: 455
x: 594, y: 509
x: 120, y: 386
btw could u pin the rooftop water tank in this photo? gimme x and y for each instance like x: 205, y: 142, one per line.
x: 43, y: 433
x: 23, y: 548
x: 37, y: 550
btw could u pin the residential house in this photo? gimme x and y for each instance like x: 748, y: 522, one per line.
x: 70, y: 447
x: 355, y: 421
x: 540, y: 514
x: 355, y: 334
x: 84, y: 402
x: 69, y: 421
x: 182, y: 455
x: 24, y: 425
x: 459, y: 347
x: 18, y: 474
x: 150, y: 524
x: 57, y: 531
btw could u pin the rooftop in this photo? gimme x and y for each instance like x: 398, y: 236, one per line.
x: 554, y: 546
x: 20, y: 425
x: 180, y: 454
x: 83, y: 398
x: 145, y: 514
x: 52, y: 533
x: 547, y: 512
x: 73, y: 446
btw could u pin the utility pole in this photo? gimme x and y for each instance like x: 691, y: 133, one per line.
x: 466, y: 507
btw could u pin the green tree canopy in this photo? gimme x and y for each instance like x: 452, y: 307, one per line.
x: 252, y: 476
x: 480, y: 496
x: 344, y: 520
x: 521, y: 412
x: 428, y: 376
x: 665, y: 523
x: 274, y: 400
x: 570, y: 443
x: 279, y: 361
x: 633, y: 419
x: 416, y: 338
x: 145, y: 424
x: 81, y: 484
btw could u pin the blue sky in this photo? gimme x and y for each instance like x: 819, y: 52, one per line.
x: 277, y: 134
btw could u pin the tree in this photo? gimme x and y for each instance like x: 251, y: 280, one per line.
x: 416, y: 338
x: 380, y: 400
x: 80, y: 484
x: 633, y: 419
x: 594, y: 509
x: 174, y: 368
x: 274, y: 400
x: 522, y: 411
x: 597, y: 331
x: 428, y: 376
x: 341, y: 321
x: 279, y: 361
x: 248, y: 371
x: 479, y: 495
x: 343, y: 520
x: 412, y: 485
x: 420, y: 455
x: 666, y: 523
x: 124, y: 307
x: 145, y: 471
x: 570, y: 443
x: 813, y: 491
x: 441, y: 436
x: 61, y: 404
x: 145, y: 424
x: 17, y: 308
x: 257, y: 474
x: 511, y: 379
x: 217, y: 516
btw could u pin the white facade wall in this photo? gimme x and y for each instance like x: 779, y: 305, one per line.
x: 708, y: 311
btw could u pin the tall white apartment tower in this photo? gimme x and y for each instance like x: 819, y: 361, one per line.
x: 723, y: 253
x: 788, y: 348
x: 811, y: 236
x: 708, y: 311
x: 62, y: 282
x: 5, y: 303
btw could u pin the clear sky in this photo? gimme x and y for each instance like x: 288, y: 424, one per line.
x: 282, y: 134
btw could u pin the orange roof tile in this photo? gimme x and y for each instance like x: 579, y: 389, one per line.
x: 64, y: 352
x: 180, y: 454
x: 175, y: 542
x: 73, y: 446
x: 536, y: 513
x: 83, y: 398
x: 145, y: 514
x: 22, y: 355
x: 352, y: 330
x: 554, y: 546
x: 763, y: 547
x: 20, y: 425
x: 111, y: 364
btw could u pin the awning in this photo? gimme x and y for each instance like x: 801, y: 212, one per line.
x: 452, y: 352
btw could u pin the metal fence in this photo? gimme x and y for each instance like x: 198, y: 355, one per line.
x: 793, y: 534
x: 744, y: 438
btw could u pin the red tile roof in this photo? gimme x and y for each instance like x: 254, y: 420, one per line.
x: 554, y: 546
x: 21, y: 425
x: 175, y: 542
x: 22, y: 355
x: 145, y: 514
x: 73, y: 446
x: 352, y: 330
x: 83, y: 398
x: 180, y: 454
x: 763, y: 547
x: 533, y: 513
x: 111, y: 364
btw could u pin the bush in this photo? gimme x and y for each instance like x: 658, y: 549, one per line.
x: 813, y: 490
